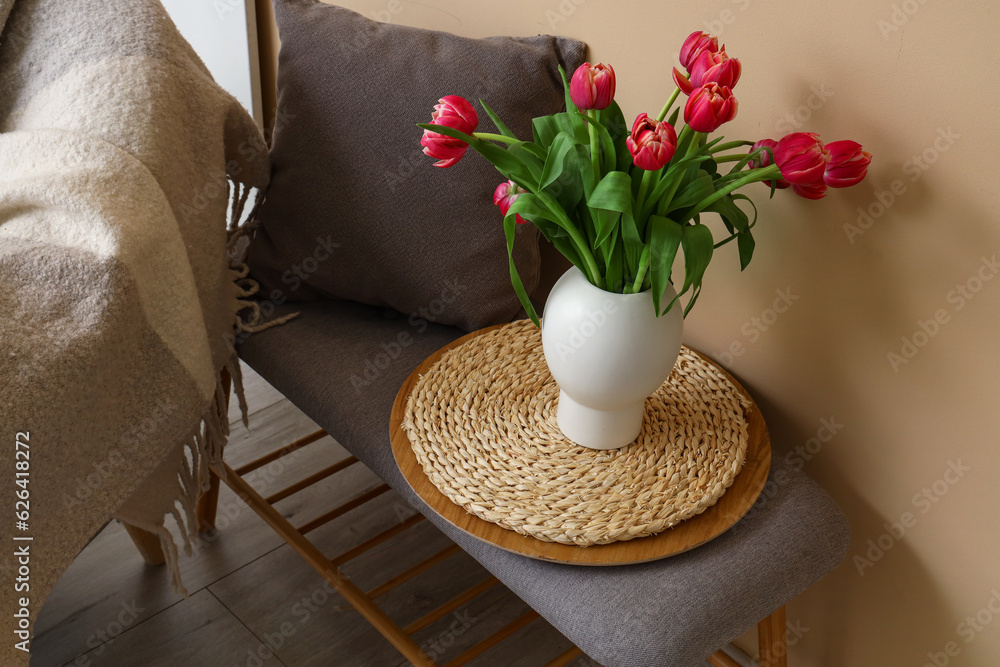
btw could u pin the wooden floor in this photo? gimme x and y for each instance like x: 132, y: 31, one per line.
x: 254, y: 602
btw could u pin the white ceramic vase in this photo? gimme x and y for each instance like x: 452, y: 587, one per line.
x: 608, y: 352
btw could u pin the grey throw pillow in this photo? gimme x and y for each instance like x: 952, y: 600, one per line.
x: 355, y: 210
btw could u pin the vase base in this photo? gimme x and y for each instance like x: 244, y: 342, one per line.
x: 598, y: 429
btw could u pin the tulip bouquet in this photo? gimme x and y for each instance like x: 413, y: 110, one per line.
x: 619, y: 204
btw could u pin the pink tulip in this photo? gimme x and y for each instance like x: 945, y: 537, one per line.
x: 802, y: 158
x: 652, y: 143
x: 696, y: 43
x: 592, y: 86
x: 505, y: 195
x: 709, y: 67
x: 455, y: 112
x: 848, y: 164
x: 765, y: 161
x: 709, y: 107
x: 810, y: 191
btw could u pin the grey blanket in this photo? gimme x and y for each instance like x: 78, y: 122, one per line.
x: 120, y: 163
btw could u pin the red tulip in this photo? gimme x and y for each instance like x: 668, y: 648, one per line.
x: 696, y: 43
x: 652, y: 143
x: 765, y: 161
x: 802, y: 158
x: 592, y: 86
x: 505, y: 195
x: 848, y: 164
x: 451, y: 111
x: 709, y: 67
x: 810, y: 191
x: 709, y: 107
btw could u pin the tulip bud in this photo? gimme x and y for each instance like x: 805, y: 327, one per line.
x: 505, y: 195
x: 848, y: 164
x: 709, y: 67
x: 652, y: 143
x: 709, y: 107
x: 765, y: 161
x: 810, y: 191
x: 715, y: 68
x: 696, y: 43
x: 455, y: 112
x: 592, y: 86
x: 801, y: 158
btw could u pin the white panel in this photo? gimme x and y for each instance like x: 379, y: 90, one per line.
x: 224, y: 35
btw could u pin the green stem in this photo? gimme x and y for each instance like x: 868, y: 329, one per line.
x: 668, y: 196
x: 496, y: 137
x: 754, y: 175
x: 686, y: 131
x: 640, y: 274
x: 595, y: 146
x: 729, y: 158
x: 670, y: 102
x: 729, y: 145
x: 589, y: 228
x: 640, y: 198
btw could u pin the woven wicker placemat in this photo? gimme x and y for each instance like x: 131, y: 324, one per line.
x: 482, y: 424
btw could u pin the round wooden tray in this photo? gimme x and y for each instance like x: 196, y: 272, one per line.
x: 730, y: 508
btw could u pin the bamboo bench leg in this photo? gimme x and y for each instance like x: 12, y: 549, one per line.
x: 722, y: 659
x: 147, y: 543
x: 208, y: 503
x: 771, y: 639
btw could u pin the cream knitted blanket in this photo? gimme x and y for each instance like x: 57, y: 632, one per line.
x: 120, y: 163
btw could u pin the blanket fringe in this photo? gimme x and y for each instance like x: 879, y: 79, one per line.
x: 249, y: 319
x: 204, y: 448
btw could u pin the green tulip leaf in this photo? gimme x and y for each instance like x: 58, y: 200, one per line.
x: 673, y: 117
x: 555, y: 161
x: 752, y: 205
x: 745, y: 243
x: 613, y: 121
x: 613, y: 260
x: 509, y: 230
x: 528, y: 158
x: 684, y: 142
x: 665, y: 236
x: 632, y: 243
x: 544, y: 130
x: 501, y: 127
x: 607, y: 144
x: 735, y: 219
x: 570, y: 105
x: 586, y: 176
x: 533, y: 209
x: 707, y: 146
x: 568, y: 188
x: 698, y: 244
x: 745, y: 161
x: 674, y: 172
x: 532, y: 148
x: 693, y: 192
x: 606, y: 223
x: 613, y: 195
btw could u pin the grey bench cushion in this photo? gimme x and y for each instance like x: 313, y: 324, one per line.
x: 342, y: 364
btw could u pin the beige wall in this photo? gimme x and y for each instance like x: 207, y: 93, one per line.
x: 912, y: 80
